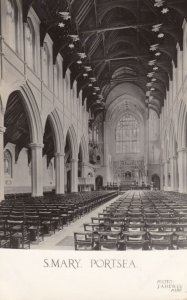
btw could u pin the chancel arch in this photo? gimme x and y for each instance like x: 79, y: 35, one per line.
x: 126, y: 137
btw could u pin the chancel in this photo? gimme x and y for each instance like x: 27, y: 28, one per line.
x: 93, y: 124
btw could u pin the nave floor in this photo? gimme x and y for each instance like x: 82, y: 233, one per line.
x: 64, y: 239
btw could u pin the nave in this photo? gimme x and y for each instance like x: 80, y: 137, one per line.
x: 134, y: 220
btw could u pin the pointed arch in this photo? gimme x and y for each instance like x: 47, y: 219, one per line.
x: 1, y: 113
x: 31, y: 108
x: 73, y: 140
x: 56, y: 126
x: 181, y: 136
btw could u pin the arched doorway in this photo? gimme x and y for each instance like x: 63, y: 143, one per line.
x: 156, y: 181
x: 99, y: 182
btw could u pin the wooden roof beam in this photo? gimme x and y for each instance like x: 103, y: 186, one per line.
x: 99, y: 30
x: 107, y: 59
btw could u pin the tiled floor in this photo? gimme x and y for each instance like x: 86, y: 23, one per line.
x: 64, y: 239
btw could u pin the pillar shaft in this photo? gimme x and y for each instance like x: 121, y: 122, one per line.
x: 174, y: 171
x: 2, y: 183
x: 36, y: 170
x: 74, y: 175
x: 84, y: 170
x: 166, y: 175
x: 161, y: 176
x: 182, y: 158
x: 59, y: 164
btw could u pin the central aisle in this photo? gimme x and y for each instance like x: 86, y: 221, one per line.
x: 64, y: 239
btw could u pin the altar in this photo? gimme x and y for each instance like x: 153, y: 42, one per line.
x: 128, y: 172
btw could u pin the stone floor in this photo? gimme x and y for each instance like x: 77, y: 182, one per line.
x: 64, y: 239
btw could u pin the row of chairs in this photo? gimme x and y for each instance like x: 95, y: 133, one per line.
x: 136, y: 221
x: 126, y: 240
x: 26, y: 220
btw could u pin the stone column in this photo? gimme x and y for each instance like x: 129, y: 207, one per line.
x: 36, y: 169
x: 2, y: 183
x: 105, y: 162
x: 174, y: 171
x: 59, y: 164
x: 161, y: 176
x: 83, y: 170
x: 182, y: 158
x: 74, y: 175
x: 166, y: 175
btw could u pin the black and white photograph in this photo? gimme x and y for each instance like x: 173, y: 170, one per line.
x: 93, y: 147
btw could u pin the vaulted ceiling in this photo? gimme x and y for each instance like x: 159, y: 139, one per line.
x: 115, y: 41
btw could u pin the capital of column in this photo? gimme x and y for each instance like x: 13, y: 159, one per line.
x: 73, y: 160
x: 83, y: 164
x: 2, y: 129
x: 175, y: 157
x: 184, y: 149
x: 59, y: 154
x: 35, y: 145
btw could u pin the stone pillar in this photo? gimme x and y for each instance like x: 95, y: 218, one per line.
x: 166, y: 175
x: 83, y: 170
x: 146, y: 150
x: 161, y: 176
x: 105, y: 162
x: 182, y: 158
x: 174, y: 171
x: 2, y: 183
x: 74, y: 175
x: 36, y: 170
x: 59, y: 176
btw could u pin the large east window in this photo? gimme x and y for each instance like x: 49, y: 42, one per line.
x: 127, y: 135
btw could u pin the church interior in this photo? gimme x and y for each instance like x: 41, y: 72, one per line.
x: 93, y: 124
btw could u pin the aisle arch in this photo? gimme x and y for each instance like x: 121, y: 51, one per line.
x: 56, y: 126
x: 73, y: 140
x: 31, y: 108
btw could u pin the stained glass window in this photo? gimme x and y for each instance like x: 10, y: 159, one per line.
x: 127, y: 135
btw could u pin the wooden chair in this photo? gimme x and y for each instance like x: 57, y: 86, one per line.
x: 84, y: 241
x: 35, y: 229
x: 160, y: 240
x: 109, y: 240
x: 47, y: 222
x: 19, y: 235
x: 180, y: 239
x: 135, y: 240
